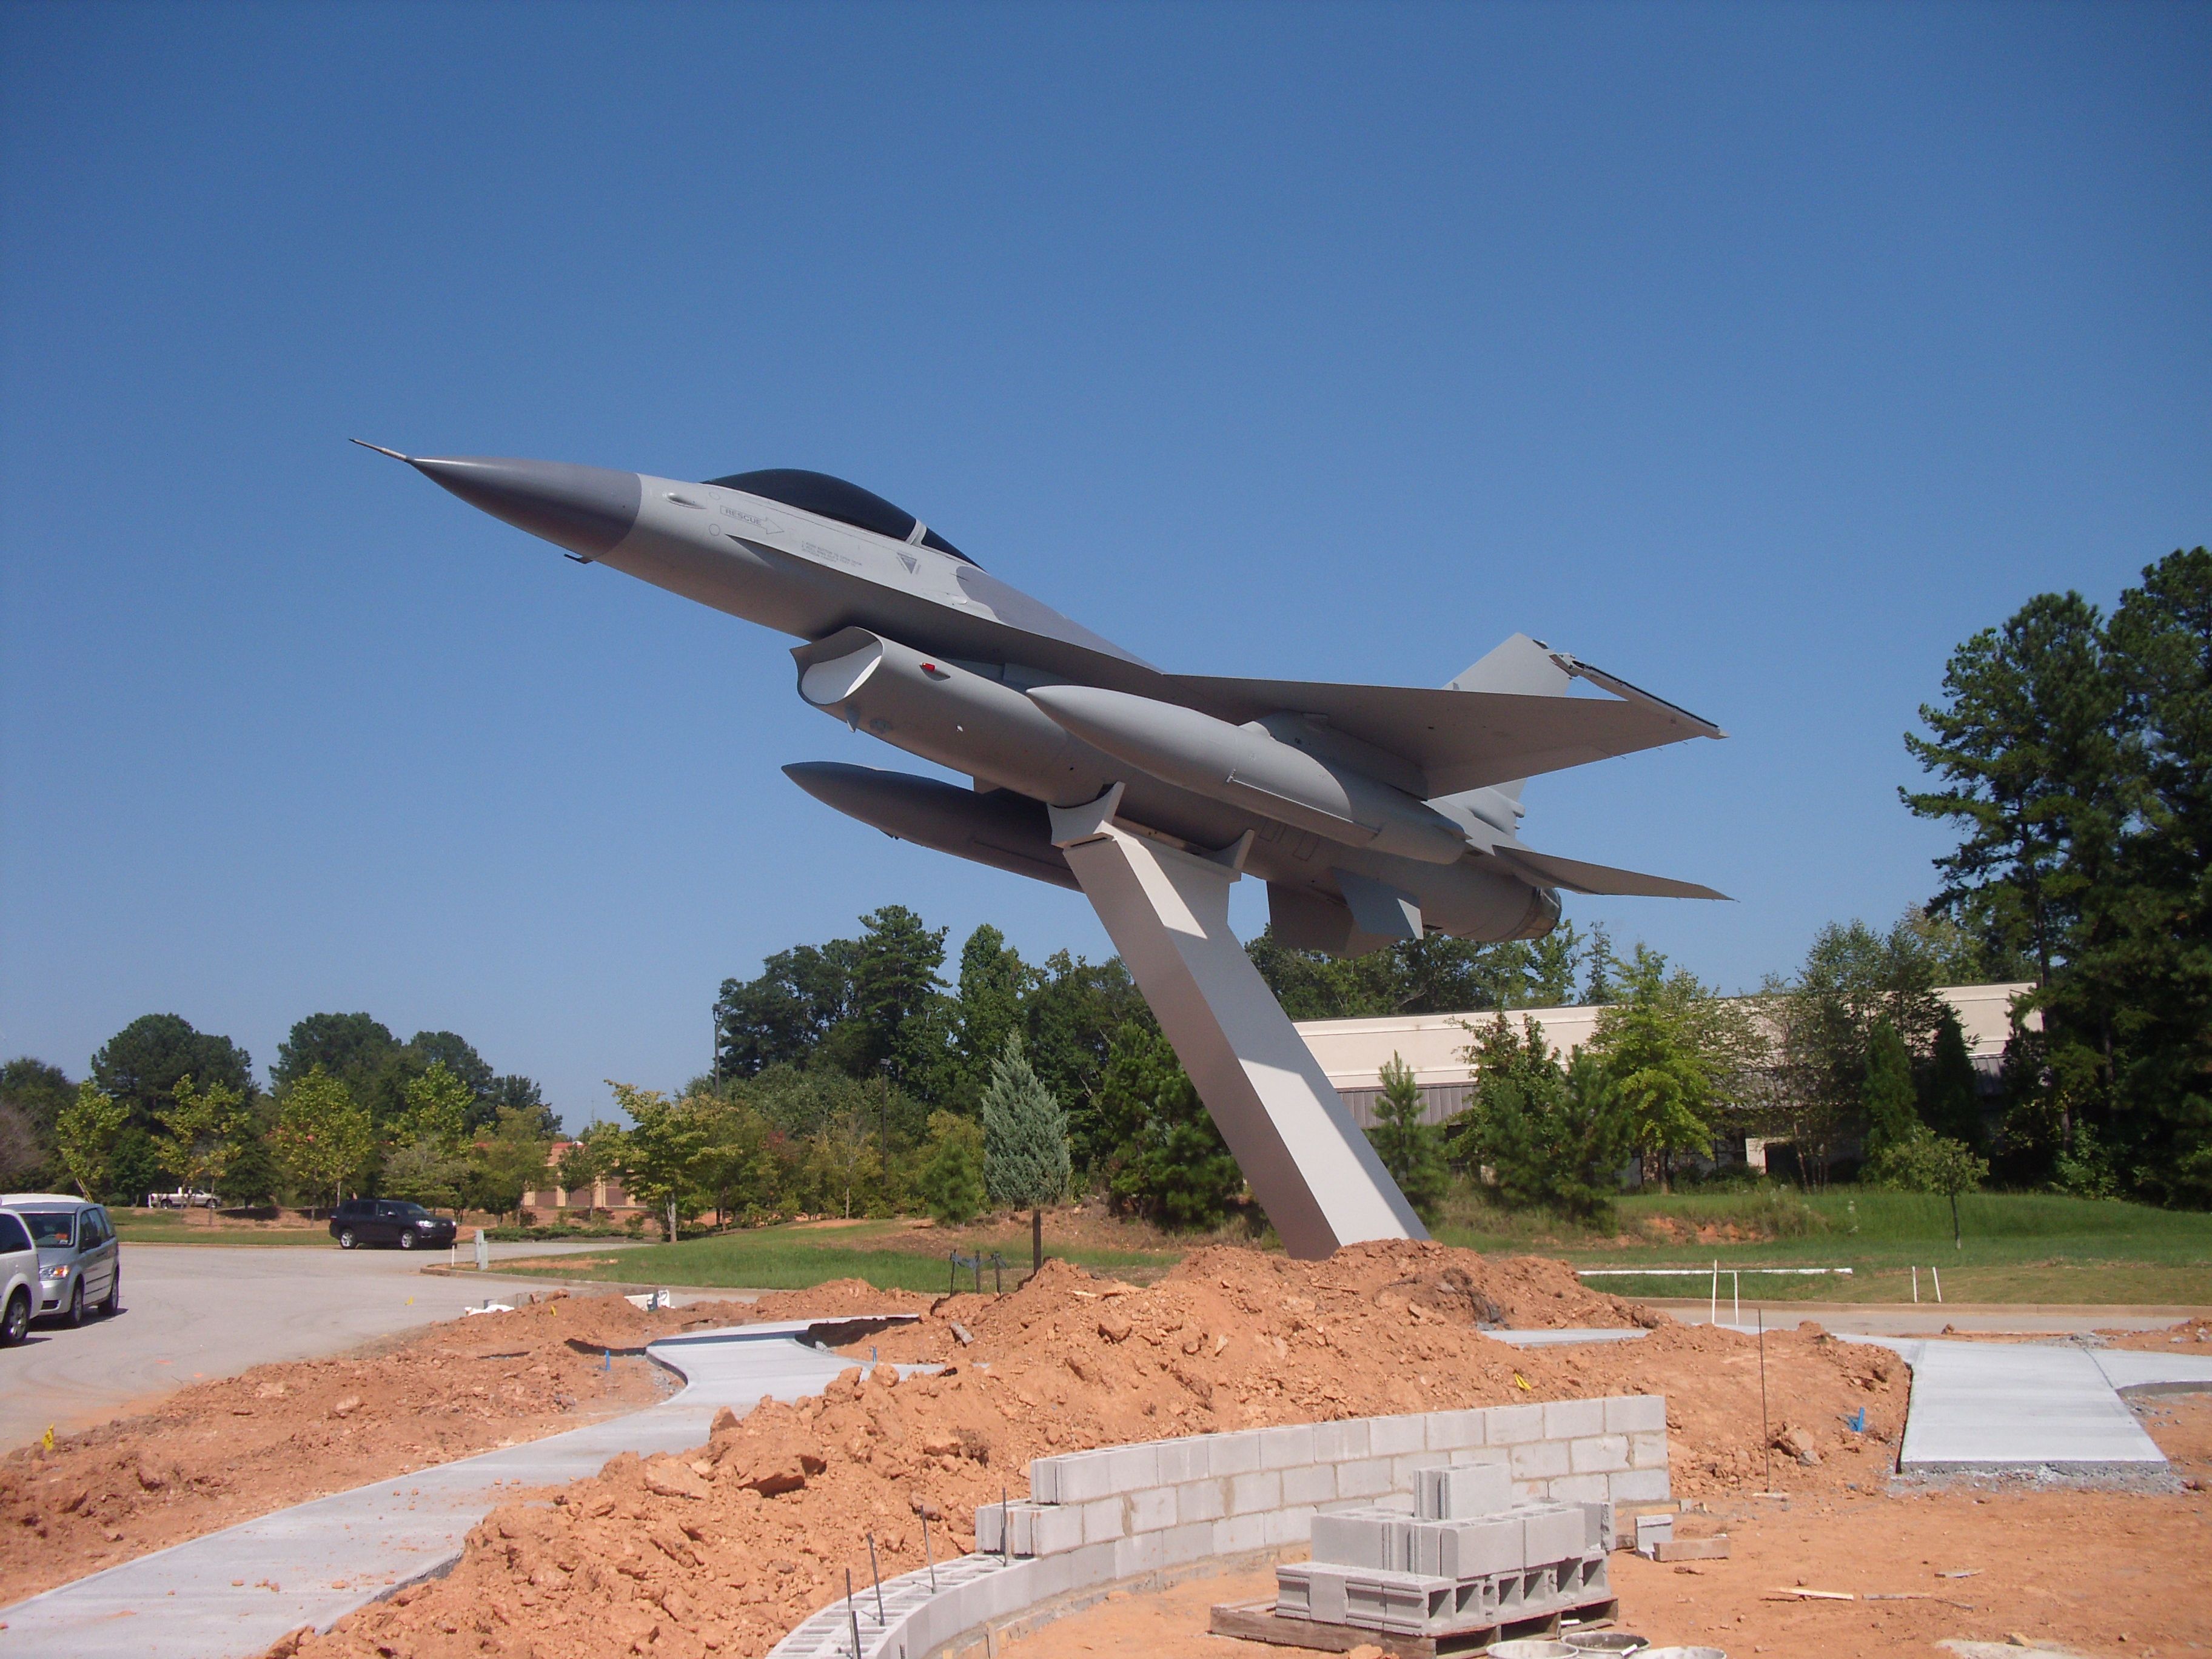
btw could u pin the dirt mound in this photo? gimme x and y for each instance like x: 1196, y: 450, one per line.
x: 2191, y: 1336
x: 222, y: 1452
x: 722, y: 1549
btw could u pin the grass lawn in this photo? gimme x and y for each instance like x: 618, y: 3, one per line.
x: 176, y: 1227
x: 890, y: 1255
x: 2016, y: 1246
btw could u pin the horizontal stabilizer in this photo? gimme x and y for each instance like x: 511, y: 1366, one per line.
x: 1599, y: 878
x: 1461, y: 740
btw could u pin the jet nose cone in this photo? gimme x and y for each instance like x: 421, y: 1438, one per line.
x: 587, y: 509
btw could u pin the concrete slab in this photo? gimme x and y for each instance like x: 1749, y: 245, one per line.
x: 1988, y: 1406
x: 2154, y: 1373
x: 1929, y: 1318
x: 1563, y: 1339
x: 235, y: 1591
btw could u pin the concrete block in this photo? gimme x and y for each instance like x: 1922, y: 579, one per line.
x: 1328, y: 1597
x: 1389, y: 1437
x: 1192, y: 1543
x: 1287, y: 1447
x: 1294, y: 1592
x: 1248, y: 1494
x: 1200, y: 1500
x: 1635, y: 1414
x: 1288, y: 1526
x: 1648, y: 1450
x: 1406, y: 1468
x: 1578, y: 1489
x: 1539, y: 1460
x: 1341, y: 1442
x: 1477, y: 1549
x: 1044, y: 1480
x: 1314, y: 1484
x: 1639, y: 1486
x: 1598, y: 1454
x: 1555, y: 1532
x: 1693, y: 1549
x: 1104, y: 1521
x: 1351, y: 1540
x: 1462, y: 1492
x: 1598, y: 1536
x: 1450, y: 1431
x: 1085, y: 1477
x: 1056, y: 1529
x: 1233, y: 1454
x: 1510, y: 1426
x: 1182, y: 1460
x: 1368, y: 1478
x: 1240, y: 1534
x: 1144, y: 1553
x: 1651, y: 1531
x: 1564, y: 1419
x: 1152, y: 1509
x: 1131, y: 1469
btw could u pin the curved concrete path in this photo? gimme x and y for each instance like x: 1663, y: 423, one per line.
x: 235, y: 1591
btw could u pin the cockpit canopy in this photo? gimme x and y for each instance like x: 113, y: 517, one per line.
x: 833, y: 498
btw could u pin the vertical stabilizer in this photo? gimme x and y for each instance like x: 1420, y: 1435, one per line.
x: 1525, y: 667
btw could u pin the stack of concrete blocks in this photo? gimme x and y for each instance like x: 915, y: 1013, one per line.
x: 1121, y: 1513
x: 1470, y: 1556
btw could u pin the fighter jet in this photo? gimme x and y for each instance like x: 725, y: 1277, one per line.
x: 1373, y: 812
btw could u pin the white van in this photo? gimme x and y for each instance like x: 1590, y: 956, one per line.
x: 19, y: 1279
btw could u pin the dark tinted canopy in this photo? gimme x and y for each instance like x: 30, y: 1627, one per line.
x: 833, y: 498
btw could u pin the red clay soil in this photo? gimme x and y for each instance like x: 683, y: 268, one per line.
x: 721, y: 1550
x: 222, y: 1452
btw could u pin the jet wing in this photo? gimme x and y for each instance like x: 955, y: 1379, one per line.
x: 1462, y: 739
x: 1550, y: 871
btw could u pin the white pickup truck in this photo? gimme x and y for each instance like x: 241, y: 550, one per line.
x: 180, y: 1199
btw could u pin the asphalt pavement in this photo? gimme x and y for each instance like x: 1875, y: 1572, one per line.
x: 192, y: 1311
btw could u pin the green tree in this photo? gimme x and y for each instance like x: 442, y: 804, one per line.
x: 994, y: 982
x: 436, y: 1110
x: 141, y: 1064
x: 512, y: 1161
x: 1886, y: 1094
x: 1411, y: 1149
x: 85, y: 1136
x: 202, y: 1131
x: 22, y: 1157
x: 661, y: 1151
x: 951, y: 1177
x: 1950, y: 1089
x: 1550, y: 1136
x: 429, y: 1172
x: 1176, y: 1168
x: 1026, y: 1157
x: 322, y: 1136
x: 1937, y: 1164
x: 1434, y: 974
x: 1662, y: 1072
x: 39, y: 1093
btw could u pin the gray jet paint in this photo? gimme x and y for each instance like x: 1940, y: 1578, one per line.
x: 1372, y: 812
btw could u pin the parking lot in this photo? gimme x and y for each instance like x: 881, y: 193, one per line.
x: 197, y: 1310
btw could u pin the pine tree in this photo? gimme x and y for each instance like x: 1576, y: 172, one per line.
x: 1950, y: 1096
x: 952, y: 1178
x: 1410, y: 1149
x: 1025, y: 1160
x: 1892, y: 1120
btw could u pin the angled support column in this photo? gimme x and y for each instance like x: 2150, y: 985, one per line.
x: 1168, y: 914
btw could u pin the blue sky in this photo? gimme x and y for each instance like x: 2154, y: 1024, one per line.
x: 1758, y: 353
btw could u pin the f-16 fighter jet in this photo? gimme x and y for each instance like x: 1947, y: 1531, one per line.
x: 1372, y: 812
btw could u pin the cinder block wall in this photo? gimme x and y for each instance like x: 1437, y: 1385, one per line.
x: 1094, y: 1518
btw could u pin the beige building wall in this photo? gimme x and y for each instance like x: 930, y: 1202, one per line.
x: 1353, y: 1052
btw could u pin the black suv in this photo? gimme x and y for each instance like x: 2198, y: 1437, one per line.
x: 390, y: 1221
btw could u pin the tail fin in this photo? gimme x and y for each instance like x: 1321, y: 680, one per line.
x: 1524, y: 666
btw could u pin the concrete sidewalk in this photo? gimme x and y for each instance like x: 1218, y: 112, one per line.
x: 1989, y: 1407
x: 235, y: 1591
